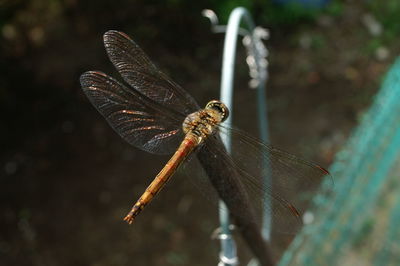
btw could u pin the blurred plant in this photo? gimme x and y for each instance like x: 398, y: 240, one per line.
x: 290, y: 13
x: 177, y: 258
x: 335, y: 8
x: 387, y: 13
x: 373, y: 44
x: 224, y: 7
x: 305, y: 3
x: 280, y: 13
x: 312, y: 41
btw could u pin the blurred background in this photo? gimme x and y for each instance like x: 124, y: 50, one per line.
x: 67, y: 179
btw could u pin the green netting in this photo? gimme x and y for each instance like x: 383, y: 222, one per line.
x: 358, y: 224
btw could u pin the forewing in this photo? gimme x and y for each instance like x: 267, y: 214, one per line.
x: 139, y: 72
x: 139, y: 120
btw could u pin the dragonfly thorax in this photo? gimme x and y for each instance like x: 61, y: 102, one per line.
x: 205, y: 121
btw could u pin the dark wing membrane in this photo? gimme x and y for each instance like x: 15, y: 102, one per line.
x: 139, y: 120
x: 139, y: 72
x: 277, y: 183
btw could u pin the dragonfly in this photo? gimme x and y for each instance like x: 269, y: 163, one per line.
x: 153, y: 113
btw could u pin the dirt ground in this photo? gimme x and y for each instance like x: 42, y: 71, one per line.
x: 67, y: 178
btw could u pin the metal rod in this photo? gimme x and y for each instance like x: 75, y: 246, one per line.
x: 228, y: 254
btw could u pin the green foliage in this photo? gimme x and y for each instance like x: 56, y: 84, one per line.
x: 335, y: 8
x: 317, y: 41
x: 387, y: 13
x: 290, y: 14
x: 373, y: 44
x: 224, y: 7
x: 269, y: 13
x: 177, y: 258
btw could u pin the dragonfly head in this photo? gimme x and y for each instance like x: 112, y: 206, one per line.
x: 220, y: 108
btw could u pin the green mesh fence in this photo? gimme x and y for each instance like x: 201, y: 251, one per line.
x: 359, y: 223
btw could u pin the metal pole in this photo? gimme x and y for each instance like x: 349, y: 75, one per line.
x: 228, y: 255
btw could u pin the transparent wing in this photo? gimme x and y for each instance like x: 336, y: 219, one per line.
x: 139, y: 72
x: 139, y: 120
x: 275, y: 182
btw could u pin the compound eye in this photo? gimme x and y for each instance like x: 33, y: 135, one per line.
x: 220, y: 107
